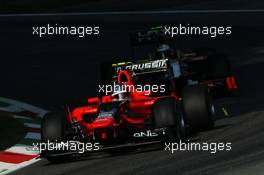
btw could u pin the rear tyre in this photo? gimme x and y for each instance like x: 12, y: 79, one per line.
x: 198, y: 107
x: 167, y: 114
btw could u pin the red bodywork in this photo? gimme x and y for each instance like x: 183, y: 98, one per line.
x: 138, y: 104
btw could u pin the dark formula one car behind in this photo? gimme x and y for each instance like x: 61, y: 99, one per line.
x: 132, y: 117
x: 198, y: 66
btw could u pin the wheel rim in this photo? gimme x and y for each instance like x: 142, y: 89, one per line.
x: 181, y: 128
x: 212, y: 109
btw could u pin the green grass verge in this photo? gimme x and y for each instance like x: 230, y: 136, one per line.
x: 28, y: 142
x: 3, y: 104
x: 11, y: 131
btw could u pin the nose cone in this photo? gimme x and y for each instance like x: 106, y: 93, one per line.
x: 103, y: 129
x: 100, y: 123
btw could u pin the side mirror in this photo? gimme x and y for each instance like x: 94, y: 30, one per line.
x: 107, y: 98
x: 94, y: 101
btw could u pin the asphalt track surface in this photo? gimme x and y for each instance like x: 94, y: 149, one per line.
x: 56, y: 70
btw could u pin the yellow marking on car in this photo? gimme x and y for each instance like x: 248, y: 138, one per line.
x: 225, y: 112
x: 120, y: 64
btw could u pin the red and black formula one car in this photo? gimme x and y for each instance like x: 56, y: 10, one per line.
x: 133, y: 117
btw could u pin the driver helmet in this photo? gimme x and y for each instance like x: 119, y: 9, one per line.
x: 120, y: 92
x: 164, y: 51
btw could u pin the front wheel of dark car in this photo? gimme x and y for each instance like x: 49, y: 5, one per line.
x: 198, y: 107
x: 167, y: 114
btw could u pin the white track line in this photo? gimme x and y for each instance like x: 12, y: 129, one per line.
x: 13, y: 167
x: 11, y: 108
x: 16, y: 106
x: 4, y: 165
x: 32, y: 135
x: 134, y: 12
x: 23, y: 149
x: 22, y: 117
x: 24, y: 106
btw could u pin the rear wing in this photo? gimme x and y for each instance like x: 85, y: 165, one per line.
x: 146, y: 42
x: 109, y: 72
x: 154, y: 35
x: 146, y: 37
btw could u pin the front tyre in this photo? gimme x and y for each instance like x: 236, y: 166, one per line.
x: 53, y: 127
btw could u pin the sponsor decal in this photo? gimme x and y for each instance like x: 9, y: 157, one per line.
x: 147, y: 133
x: 156, y: 64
